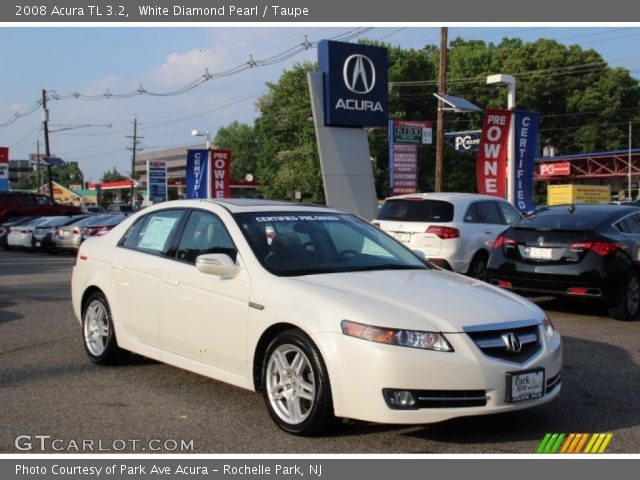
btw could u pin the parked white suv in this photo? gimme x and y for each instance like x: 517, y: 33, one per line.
x: 453, y: 230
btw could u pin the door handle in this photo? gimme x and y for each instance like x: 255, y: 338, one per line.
x: 171, y: 281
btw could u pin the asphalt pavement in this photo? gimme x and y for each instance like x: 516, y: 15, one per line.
x: 53, y: 399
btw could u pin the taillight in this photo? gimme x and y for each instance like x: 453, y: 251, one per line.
x: 102, y: 231
x: 500, y: 241
x: 375, y: 224
x: 443, y: 232
x: 600, y: 248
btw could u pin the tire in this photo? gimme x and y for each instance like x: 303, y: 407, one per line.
x: 478, y: 266
x: 295, y: 385
x: 98, y: 335
x: 627, y: 305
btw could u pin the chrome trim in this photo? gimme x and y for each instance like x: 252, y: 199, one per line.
x: 501, y: 326
x: 498, y: 343
x: 449, y: 399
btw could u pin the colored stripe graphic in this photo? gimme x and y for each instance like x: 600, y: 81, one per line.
x: 574, y: 443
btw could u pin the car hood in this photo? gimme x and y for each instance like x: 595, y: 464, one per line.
x: 444, y: 300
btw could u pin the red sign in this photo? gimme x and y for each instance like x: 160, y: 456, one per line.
x: 491, y: 167
x: 551, y: 169
x: 4, y: 155
x: 220, y: 173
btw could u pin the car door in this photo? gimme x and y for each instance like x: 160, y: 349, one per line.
x: 137, y: 269
x: 204, y: 317
x: 488, y: 224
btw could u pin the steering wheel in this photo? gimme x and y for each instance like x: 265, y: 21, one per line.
x: 345, y: 255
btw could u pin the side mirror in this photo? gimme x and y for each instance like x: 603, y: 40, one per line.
x: 219, y: 264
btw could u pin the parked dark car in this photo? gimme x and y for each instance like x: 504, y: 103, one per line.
x: 576, y: 251
x: 5, y: 228
x: 20, y: 204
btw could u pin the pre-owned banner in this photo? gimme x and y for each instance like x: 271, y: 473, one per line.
x: 4, y: 169
x: 157, y: 181
x: 492, y: 153
x: 220, y: 173
x: 526, y: 140
x: 197, y: 174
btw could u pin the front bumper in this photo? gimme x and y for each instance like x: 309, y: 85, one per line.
x: 360, y: 370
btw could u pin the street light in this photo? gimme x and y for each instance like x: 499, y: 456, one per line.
x: 510, y: 82
x: 203, y: 133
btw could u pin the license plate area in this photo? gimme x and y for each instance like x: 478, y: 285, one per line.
x: 525, y: 385
x: 403, y: 237
x: 541, y: 253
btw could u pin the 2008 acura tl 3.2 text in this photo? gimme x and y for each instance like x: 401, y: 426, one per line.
x: 322, y: 312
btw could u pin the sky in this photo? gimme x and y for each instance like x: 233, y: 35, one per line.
x: 97, y: 60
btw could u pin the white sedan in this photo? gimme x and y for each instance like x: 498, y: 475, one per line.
x: 323, y: 313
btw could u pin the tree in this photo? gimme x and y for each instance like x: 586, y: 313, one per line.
x: 113, y: 175
x: 65, y: 176
x: 241, y: 140
x: 288, y: 159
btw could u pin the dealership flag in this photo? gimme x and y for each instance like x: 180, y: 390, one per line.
x: 197, y: 173
x: 526, y: 140
x: 220, y: 173
x: 492, y: 153
x: 4, y: 169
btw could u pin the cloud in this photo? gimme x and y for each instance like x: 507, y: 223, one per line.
x: 180, y: 69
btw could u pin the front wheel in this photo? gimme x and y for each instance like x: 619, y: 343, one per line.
x: 627, y: 305
x: 97, y: 328
x: 295, y: 385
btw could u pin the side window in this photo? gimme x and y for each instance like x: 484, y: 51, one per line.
x: 27, y: 200
x: 488, y: 212
x: 510, y: 214
x: 155, y: 233
x: 204, y: 233
x: 630, y: 224
x: 472, y: 214
x: 43, y: 200
x: 133, y: 235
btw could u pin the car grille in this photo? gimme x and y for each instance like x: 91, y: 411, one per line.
x: 552, y: 383
x: 496, y: 344
x: 451, y: 398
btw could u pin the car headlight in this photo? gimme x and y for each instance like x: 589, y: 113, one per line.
x: 393, y: 336
x: 549, y: 330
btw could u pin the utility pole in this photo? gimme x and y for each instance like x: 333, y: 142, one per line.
x: 38, y: 164
x: 442, y: 89
x: 134, y: 148
x: 47, y: 149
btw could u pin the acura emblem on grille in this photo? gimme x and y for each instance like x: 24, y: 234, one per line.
x: 540, y: 240
x: 511, y: 342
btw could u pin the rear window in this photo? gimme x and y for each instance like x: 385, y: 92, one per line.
x: 433, y: 211
x: 565, y: 221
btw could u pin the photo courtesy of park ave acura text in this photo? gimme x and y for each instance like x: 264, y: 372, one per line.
x: 315, y: 239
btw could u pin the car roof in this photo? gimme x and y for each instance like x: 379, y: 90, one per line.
x: 587, y: 208
x: 241, y: 205
x: 445, y: 196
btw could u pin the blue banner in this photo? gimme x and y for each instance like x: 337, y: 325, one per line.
x: 157, y: 182
x: 526, y: 142
x: 197, y: 174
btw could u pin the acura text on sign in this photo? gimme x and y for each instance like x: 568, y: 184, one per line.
x: 492, y: 153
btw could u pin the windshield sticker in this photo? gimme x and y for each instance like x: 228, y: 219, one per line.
x: 299, y: 218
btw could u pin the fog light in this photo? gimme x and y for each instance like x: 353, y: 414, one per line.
x: 401, y: 399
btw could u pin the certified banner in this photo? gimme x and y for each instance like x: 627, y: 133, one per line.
x: 157, y: 182
x: 220, y: 173
x: 197, y: 174
x: 526, y: 140
x: 492, y: 153
x: 4, y: 169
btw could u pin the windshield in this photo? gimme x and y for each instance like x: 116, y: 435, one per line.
x: 305, y: 243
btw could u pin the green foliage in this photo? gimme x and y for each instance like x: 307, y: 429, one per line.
x: 113, y: 175
x: 69, y: 174
x: 241, y: 140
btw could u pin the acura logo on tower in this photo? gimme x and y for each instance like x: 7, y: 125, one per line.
x: 511, y: 342
x: 359, y: 74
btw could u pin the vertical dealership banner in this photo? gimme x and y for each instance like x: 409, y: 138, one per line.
x: 4, y: 169
x: 404, y: 139
x: 197, y: 174
x: 220, y: 173
x: 526, y: 139
x: 156, y: 182
x: 492, y: 153
x: 355, y: 84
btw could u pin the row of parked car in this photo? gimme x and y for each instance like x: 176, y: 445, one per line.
x: 568, y: 250
x: 55, y: 234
